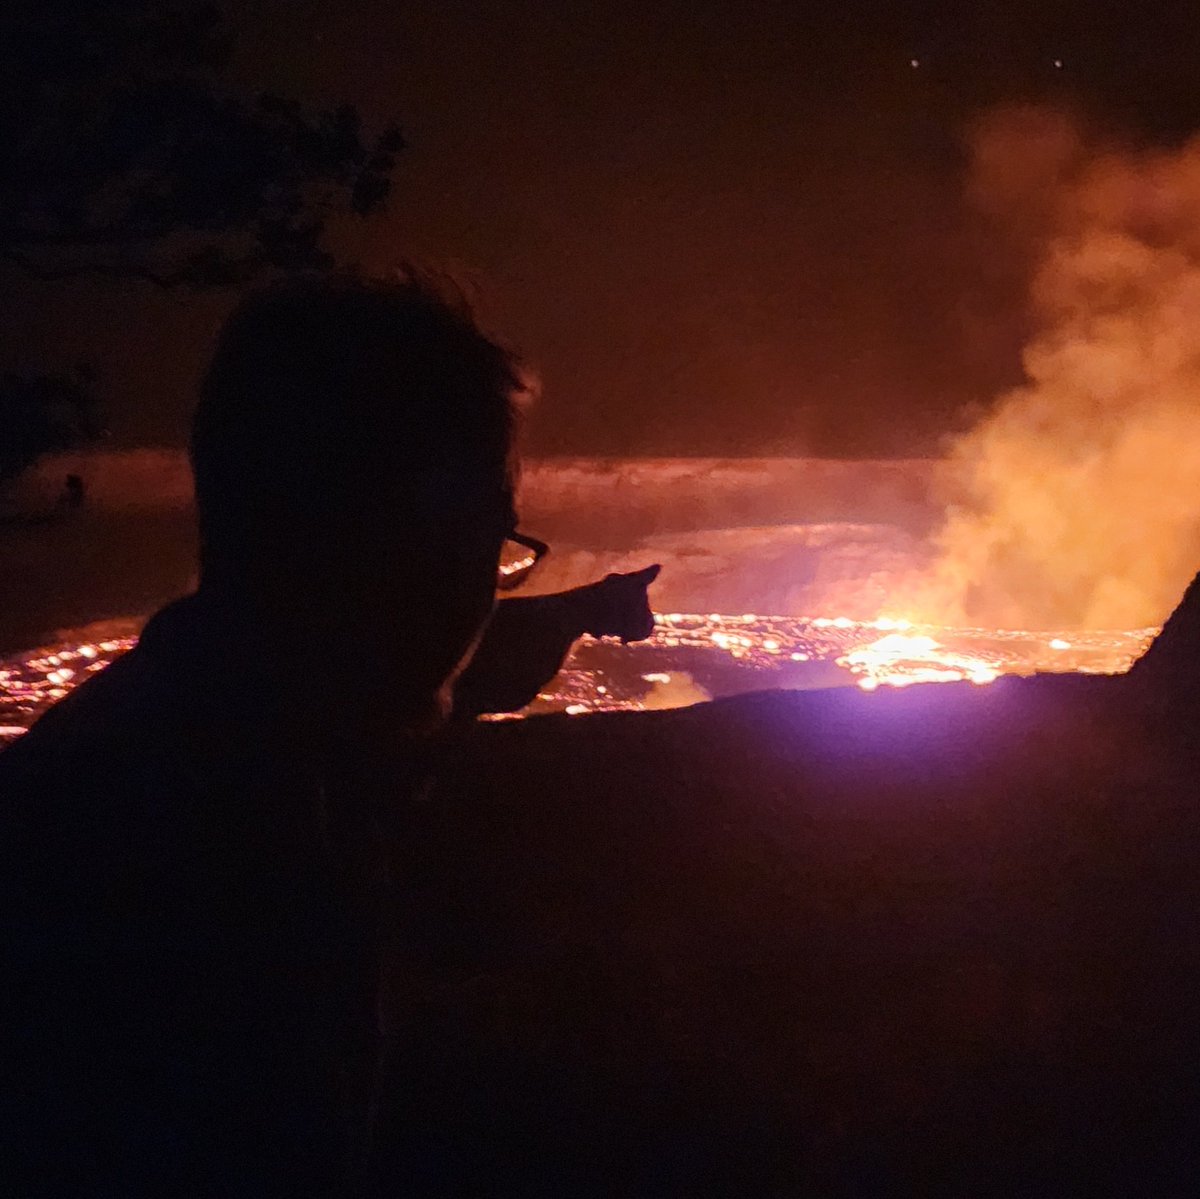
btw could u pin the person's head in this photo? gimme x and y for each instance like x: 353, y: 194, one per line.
x: 353, y: 456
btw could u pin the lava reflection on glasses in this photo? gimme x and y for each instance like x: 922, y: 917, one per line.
x: 519, y: 554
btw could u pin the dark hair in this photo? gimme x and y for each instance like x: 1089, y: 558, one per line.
x: 324, y: 388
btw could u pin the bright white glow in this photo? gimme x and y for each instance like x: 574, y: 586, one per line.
x: 902, y: 659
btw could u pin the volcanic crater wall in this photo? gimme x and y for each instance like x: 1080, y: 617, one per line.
x: 792, y: 536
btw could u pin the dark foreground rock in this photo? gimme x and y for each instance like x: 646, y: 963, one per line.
x: 937, y: 941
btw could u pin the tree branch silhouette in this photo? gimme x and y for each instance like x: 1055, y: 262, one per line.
x: 123, y: 154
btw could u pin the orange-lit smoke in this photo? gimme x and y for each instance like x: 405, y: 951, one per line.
x: 1077, y: 500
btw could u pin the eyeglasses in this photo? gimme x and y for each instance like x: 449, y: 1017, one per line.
x: 519, y: 555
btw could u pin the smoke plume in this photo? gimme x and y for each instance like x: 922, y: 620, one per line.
x: 1076, y: 502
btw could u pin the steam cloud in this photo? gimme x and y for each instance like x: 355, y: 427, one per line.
x: 1077, y: 500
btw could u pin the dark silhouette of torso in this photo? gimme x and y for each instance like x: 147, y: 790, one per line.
x: 191, y: 904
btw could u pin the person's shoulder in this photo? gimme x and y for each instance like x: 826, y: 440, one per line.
x: 121, y: 702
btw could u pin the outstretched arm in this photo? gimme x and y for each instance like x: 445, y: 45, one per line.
x: 528, y: 640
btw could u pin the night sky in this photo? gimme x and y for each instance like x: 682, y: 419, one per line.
x: 717, y: 228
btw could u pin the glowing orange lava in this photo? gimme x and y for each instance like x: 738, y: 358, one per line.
x: 688, y: 658
x: 900, y: 659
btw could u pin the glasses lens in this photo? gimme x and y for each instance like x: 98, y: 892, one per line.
x: 516, y: 564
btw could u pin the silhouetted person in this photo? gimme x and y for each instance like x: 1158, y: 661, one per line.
x: 528, y: 640
x: 196, y: 841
